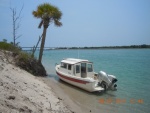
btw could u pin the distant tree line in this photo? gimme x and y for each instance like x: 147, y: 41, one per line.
x: 108, y: 47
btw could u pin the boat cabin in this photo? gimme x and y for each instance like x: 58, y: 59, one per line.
x: 77, y: 67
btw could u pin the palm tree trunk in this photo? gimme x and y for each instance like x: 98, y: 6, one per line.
x: 42, y: 44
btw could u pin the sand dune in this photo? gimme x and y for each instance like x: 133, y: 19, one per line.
x: 22, y: 92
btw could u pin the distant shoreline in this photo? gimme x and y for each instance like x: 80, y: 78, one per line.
x: 144, y: 46
x: 108, y: 47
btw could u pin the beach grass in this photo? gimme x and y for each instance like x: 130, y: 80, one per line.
x: 23, y: 59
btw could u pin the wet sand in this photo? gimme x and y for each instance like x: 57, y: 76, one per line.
x: 78, y: 96
x: 71, y: 104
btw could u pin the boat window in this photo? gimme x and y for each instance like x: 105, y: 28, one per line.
x: 69, y: 67
x: 63, y: 65
x: 90, y: 68
x: 77, y: 68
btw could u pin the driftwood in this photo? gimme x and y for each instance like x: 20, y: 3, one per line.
x: 34, y: 48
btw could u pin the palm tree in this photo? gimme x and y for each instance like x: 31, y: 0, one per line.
x: 47, y: 13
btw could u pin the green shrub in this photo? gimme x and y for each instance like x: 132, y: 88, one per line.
x: 8, y: 47
x: 24, y: 56
x: 24, y: 60
x: 30, y: 64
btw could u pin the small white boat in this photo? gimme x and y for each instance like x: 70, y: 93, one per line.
x: 80, y: 73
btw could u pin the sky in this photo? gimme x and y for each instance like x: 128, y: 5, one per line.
x: 86, y: 23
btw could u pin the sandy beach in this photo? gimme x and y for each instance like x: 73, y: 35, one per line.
x: 22, y: 92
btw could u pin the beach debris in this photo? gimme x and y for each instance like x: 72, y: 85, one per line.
x: 59, y: 98
x: 1, y: 83
x: 25, y: 109
x: 11, y: 97
x: 25, y: 83
x: 1, y: 68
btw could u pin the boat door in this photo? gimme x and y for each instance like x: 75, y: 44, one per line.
x: 83, y: 70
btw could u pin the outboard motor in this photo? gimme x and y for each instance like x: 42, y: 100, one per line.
x: 107, y: 81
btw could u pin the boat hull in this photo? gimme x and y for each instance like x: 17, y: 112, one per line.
x: 79, y: 72
x: 79, y: 82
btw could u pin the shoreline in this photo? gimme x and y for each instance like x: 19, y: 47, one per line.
x: 72, y: 104
x: 22, y: 92
x: 60, y: 93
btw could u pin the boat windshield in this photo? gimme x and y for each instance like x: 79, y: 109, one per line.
x: 63, y: 65
x: 69, y: 66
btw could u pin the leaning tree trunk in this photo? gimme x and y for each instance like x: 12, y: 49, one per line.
x: 42, y: 44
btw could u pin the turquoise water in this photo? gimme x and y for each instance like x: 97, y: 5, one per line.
x: 130, y: 66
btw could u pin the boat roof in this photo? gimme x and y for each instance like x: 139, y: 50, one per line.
x: 73, y: 60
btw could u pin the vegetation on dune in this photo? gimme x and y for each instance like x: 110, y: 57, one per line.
x: 9, y: 47
x: 24, y: 60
